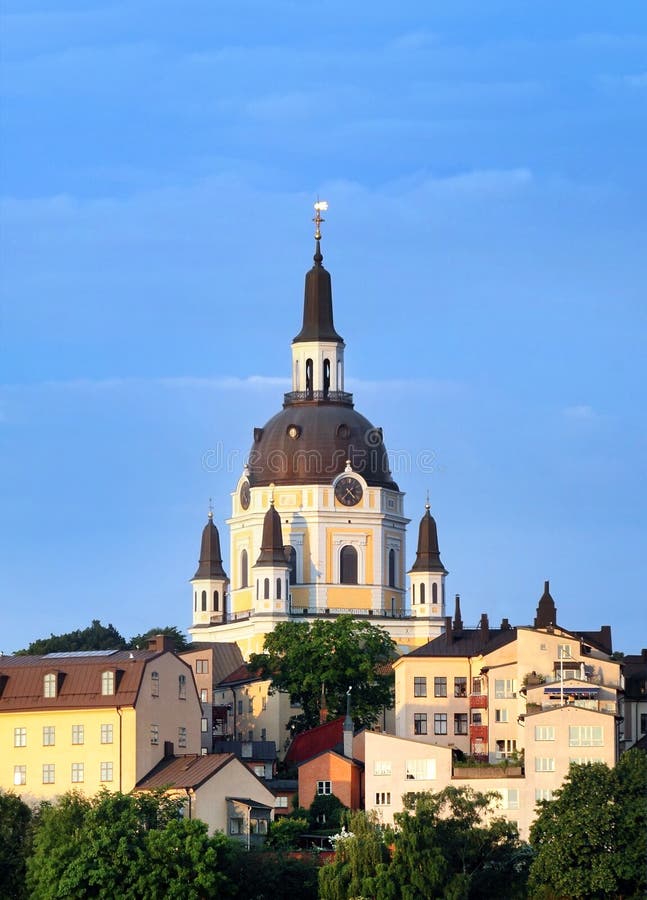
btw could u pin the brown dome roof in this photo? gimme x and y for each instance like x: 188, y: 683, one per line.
x: 308, y: 442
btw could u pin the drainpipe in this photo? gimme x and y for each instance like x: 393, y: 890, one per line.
x: 233, y: 691
x: 188, y: 794
x: 120, y: 750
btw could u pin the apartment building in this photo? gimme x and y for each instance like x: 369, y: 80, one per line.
x: 95, y: 719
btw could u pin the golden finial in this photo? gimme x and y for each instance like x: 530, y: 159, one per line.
x: 320, y: 206
x: 210, y: 513
x: 427, y: 504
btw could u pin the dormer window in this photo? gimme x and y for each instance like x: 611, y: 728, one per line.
x: 49, y: 685
x: 107, y: 683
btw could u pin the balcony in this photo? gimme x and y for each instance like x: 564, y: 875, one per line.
x: 294, y: 397
x: 478, y: 701
x: 478, y: 733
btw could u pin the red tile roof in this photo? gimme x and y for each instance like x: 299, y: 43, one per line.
x: 310, y: 743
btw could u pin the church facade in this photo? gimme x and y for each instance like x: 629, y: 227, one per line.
x: 317, y: 525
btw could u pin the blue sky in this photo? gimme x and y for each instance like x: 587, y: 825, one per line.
x: 484, y: 165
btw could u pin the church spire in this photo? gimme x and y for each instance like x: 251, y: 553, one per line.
x: 428, y: 554
x: 546, y: 610
x: 272, y: 549
x: 210, y: 555
x: 317, y: 302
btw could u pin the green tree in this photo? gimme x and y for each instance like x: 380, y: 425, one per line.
x: 95, y: 637
x: 591, y: 841
x: 269, y: 875
x: 15, y: 833
x: 140, y: 641
x: 451, y: 845
x: 128, y: 846
x: 326, y: 811
x: 284, y: 833
x: 299, y: 658
x: 361, y: 856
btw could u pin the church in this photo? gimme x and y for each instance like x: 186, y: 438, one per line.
x: 317, y: 525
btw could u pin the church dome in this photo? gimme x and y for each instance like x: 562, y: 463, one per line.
x: 309, y: 442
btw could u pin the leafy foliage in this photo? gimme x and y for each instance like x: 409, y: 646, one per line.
x: 15, y: 821
x: 95, y: 637
x: 141, y: 640
x: 325, y: 812
x: 284, y: 832
x: 361, y: 856
x: 591, y: 841
x: 299, y: 658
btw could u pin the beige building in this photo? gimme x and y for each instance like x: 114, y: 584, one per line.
x: 218, y: 789
x: 93, y: 720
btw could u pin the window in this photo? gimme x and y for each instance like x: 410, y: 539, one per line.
x: 258, y: 826
x: 382, y: 767
x: 266, y: 589
x: 244, y: 570
x: 477, y: 686
x: 348, y: 565
x: 391, y: 568
x: 420, y: 769
x: 383, y: 798
x: 240, y: 707
x: 181, y: 736
x: 543, y: 794
x: 420, y: 723
x: 434, y: 593
x: 585, y: 760
x: 505, y: 688
x: 423, y: 599
x: 564, y: 651
x: 460, y: 723
x: 49, y: 735
x: 477, y: 718
x: 505, y: 749
x: 281, y: 802
x: 106, y: 734
x: 202, y: 666
x: 263, y: 734
x: 204, y: 725
x: 500, y: 715
x: 204, y: 695
x: 544, y: 764
x: 49, y: 773
x: 440, y: 686
x: 643, y: 723
x: 216, y: 601
x: 78, y: 734
x: 419, y: 686
x: 291, y: 558
x: 585, y: 736
x: 236, y: 826
x: 264, y: 704
x: 278, y: 588
x: 544, y: 732
x: 324, y: 788
x: 155, y: 684
x: 460, y: 687
x: 259, y: 771
x: 106, y: 771
x: 19, y: 775
x: 20, y: 737
x: 78, y: 773
x: 155, y: 734
x: 250, y: 735
x: 49, y: 685
x: 250, y: 705
x: 181, y: 681
x: 107, y: 683
x: 440, y: 723
x: 509, y: 798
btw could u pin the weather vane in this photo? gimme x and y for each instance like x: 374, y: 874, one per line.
x: 210, y: 508
x: 320, y: 206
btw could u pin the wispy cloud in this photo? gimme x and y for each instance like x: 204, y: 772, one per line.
x: 580, y: 412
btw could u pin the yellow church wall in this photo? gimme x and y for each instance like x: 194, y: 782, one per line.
x: 348, y: 597
x: 299, y: 597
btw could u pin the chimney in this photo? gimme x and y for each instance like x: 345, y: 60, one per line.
x: 449, y: 634
x: 505, y: 625
x: 348, y: 728
x: 485, y: 627
x: 160, y: 643
x: 458, y: 619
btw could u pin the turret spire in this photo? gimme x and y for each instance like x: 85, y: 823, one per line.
x: 428, y: 554
x: 272, y: 549
x: 210, y: 555
x: 317, y: 303
x: 546, y: 610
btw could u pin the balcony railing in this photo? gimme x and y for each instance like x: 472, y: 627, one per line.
x: 478, y: 701
x: 478, y: 732
x: 318, y: 397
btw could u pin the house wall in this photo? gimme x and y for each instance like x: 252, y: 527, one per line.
x: 341, y: 772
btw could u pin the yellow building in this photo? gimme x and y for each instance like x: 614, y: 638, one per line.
x: 93, y: 720
x: 317, y: 525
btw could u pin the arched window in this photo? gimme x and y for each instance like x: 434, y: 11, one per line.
x: 291, y: 559
x: 413, y: 593
x: 297, y: 386
x: 391, y: 568
x: 266, y: 589
x: 309, y: 385
x: 195, y: 601
x: 244, y: 575
x: 340, y: 384
x: 216, y: 601
x: 204, y: 601
x: 422, y: 594
x: 434, y: 593
x: 348, y: 565
x: 278, y: 588
x: 326, y: 376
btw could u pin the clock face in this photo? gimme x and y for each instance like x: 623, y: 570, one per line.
x: 245, y: 495
x: 348, y: 491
